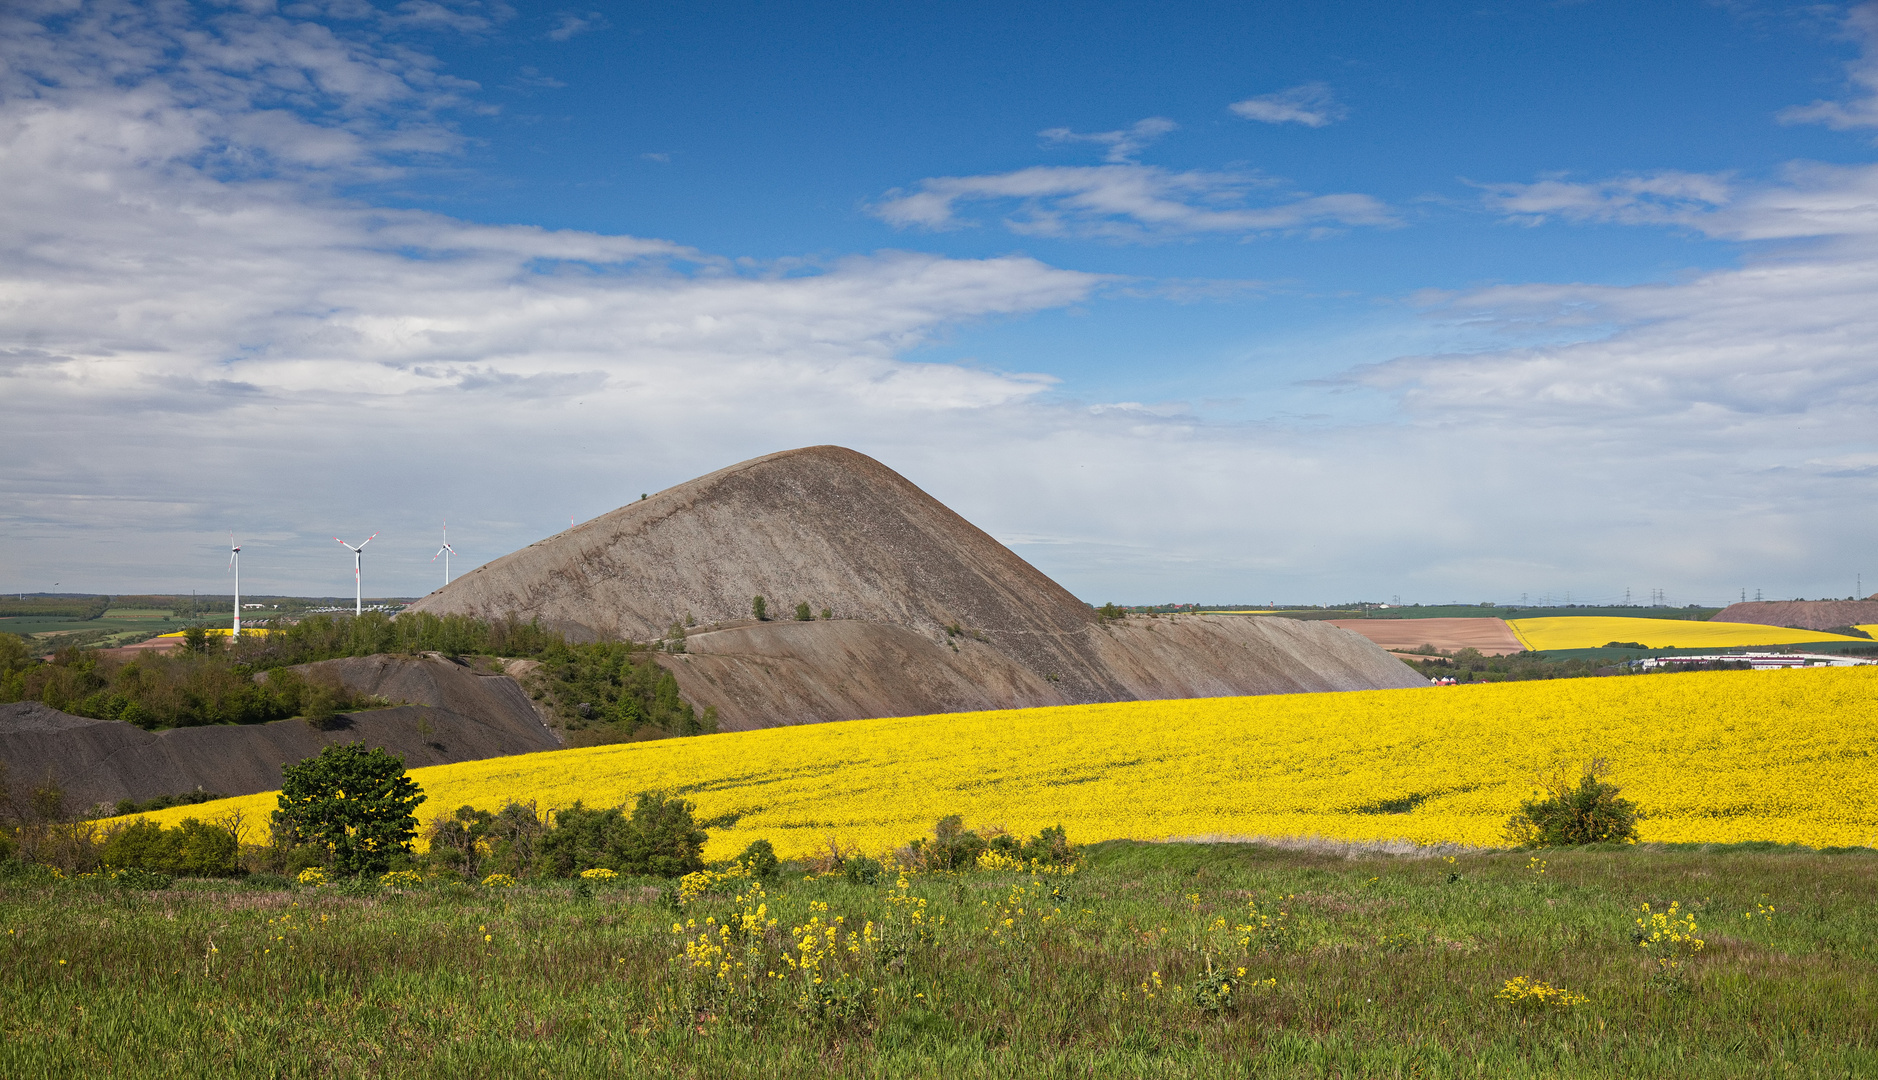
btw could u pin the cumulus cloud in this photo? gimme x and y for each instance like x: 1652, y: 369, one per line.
x: 1312, y: 104
x: 1129, y: 203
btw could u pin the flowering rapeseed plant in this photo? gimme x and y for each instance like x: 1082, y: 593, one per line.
x: 1596, y: 632
x: 1669, y: 937
x: 1774, y: 755
x: 1523, y: 992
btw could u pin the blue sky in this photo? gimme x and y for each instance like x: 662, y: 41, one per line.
x: 1185, y: 302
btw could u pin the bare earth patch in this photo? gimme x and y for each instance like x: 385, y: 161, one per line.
x: 1491, y: 636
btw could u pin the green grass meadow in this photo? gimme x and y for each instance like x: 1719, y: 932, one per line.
x: 1388, y: 966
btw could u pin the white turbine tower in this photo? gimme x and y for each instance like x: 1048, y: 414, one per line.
x: 358, y: 589
x: 446, y: 551
x: 234, y: 563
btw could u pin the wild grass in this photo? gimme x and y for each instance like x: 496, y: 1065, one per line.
x: 1391, y: 968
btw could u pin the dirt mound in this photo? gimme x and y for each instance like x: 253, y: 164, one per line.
x: 1805, y: 614
x: 768, y: 674
x: 838, y: 530
x: 451, y: 714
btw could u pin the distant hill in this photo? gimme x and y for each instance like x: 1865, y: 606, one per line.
x: 929, y: 614
x: 1805, y: 614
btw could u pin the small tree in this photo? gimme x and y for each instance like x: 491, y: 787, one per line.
x: 803, y: 614
x: 459, y: 841
x: 758, y: 608
x: 355, y: 803
x: 1588, y: 812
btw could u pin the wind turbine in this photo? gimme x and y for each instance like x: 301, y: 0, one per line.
x: 446, y: 551
x: 358, y: 594
x: 234, y: 563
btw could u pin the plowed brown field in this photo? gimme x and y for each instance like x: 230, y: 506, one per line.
x: 1491, y: 636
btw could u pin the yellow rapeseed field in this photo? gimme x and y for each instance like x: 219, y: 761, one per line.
x: 1721, y: 756
x: 1592, y: 632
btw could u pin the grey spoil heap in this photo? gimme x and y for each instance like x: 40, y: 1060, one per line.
x: 930, y: 614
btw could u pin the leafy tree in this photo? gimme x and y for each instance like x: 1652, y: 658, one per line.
x: 803, y: 614
x: 196, y: 640
x: 1588, y: 812
x: 759, y: 608
x: 355, y: 803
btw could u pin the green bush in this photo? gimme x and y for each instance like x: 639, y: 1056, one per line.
x: 135, y: 878
x: 760, y: 857
x: 954, y: 847
x: 127, y: 807
x: 759, y: 608
x: 862, y: 870
x: 660, y: 839
x: 803, y: 614
x: 459, y: 841
x: 192, y: 849
x: 1587, y: 812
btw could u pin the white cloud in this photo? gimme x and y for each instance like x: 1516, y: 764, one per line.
x: 1129, y: 203
x: 1807, y: 200
x: 1122, y: 145
x: 1659, y: 199
x: 1312, y: 104
x: 1861, y: 25
x: 170, y: 260
x: 196, y: 335
x: 569, y: 24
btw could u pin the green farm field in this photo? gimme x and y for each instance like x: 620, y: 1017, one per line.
x: 1354, y: 966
